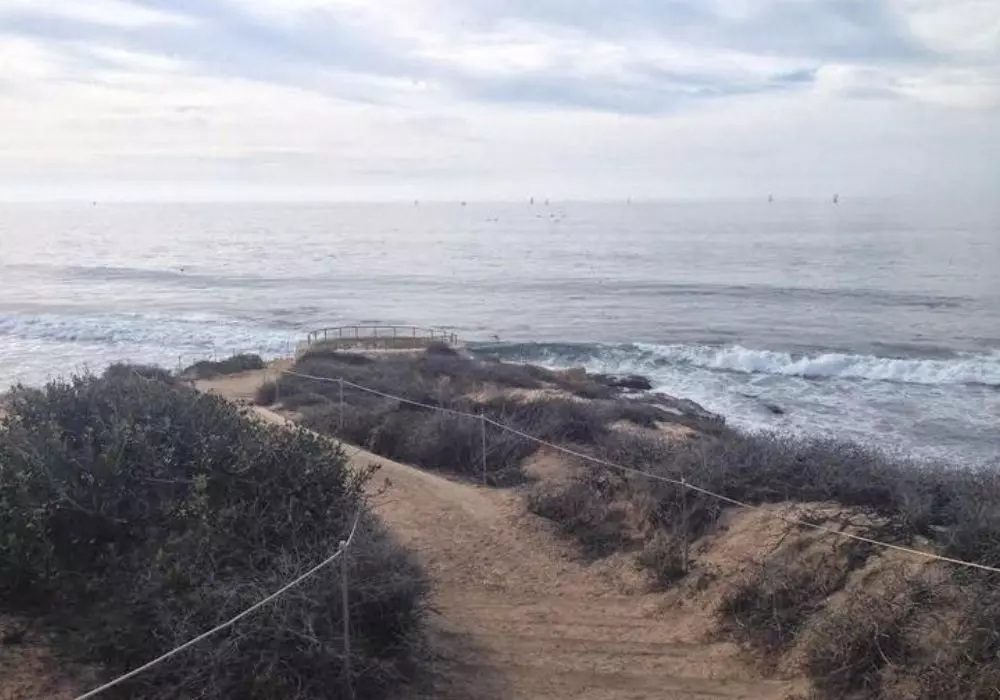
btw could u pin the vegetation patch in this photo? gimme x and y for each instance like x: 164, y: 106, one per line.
x: 207, y: 369
x: 768, y: 608
x: 802, y: 598
x: 137, y: 513
x: 445, y: 441
x: 581, y: 511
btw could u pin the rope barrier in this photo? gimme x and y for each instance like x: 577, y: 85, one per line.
x: 683, y: 483
x: 376, y: 392
x: 345, y: 544
x: 230, y: 622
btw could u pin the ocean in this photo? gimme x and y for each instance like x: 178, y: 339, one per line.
x: 877, y: 321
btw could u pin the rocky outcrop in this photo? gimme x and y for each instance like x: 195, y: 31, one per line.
x: 688, y: 413
x: 625, y: 382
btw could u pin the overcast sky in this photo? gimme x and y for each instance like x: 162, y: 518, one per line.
x: 488, y: 99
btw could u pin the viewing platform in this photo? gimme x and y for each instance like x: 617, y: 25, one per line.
x: 378, y: 338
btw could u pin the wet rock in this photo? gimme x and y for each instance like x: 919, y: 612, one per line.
x: 774, y: 408
x: 688, y: 413
x: 627, y: 382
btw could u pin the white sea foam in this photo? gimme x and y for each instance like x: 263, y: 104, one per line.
x: 189, y: 332
x: 964, y: 369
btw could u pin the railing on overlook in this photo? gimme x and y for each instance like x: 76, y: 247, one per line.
x: 379, y: 337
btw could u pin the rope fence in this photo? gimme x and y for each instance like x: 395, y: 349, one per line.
x: 342, y: 551
x: 682, y: 483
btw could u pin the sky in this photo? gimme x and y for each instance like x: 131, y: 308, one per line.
x: 497, y: 99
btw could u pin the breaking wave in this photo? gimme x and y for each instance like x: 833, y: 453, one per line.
x: 982, y: 369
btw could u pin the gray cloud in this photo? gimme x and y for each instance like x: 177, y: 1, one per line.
x: 319, y: 51
x: 817, y: 30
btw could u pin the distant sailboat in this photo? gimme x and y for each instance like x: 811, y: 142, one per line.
x: 836, y: 199
x: 532, y: 201
x: 770, y: 198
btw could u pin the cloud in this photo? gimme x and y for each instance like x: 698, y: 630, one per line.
x: 817, y: 29
x: 499, y: 93
x: 109, y: 13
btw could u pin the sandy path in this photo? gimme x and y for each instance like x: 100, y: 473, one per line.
x: 518, y: 617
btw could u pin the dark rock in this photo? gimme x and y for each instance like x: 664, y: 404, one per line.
x: 13, y: 637
x: 688, y: 413
x: 774, y: 408
x: 628, y: 382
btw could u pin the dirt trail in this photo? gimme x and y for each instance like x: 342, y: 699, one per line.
x: 517, y: 616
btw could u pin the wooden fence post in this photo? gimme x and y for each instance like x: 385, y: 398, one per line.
x: 340, y: 420
x: 684, y: 526
x: 482, y: 423
x: 345, y: 601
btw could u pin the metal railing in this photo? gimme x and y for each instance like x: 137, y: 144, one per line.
x: 381, y: 332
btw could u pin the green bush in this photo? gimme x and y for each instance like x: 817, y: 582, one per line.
x: 207, y: 369
x: 426, y: 438
x: 136, y: 514
x: 266, y: 394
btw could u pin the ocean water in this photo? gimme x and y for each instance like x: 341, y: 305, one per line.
x: 872, y: 320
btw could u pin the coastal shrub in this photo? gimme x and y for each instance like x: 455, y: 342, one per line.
x: 298, y: 401
x: 768, y: 607
x: 207, y: 369
x: 439, y: 441
x: 320, y: 352
x: 552, y: 419
x: 136, y: 513
x: 426, y: 438
x: 439, y: 348
x: 121, y: 370
x: 916, y: 636
x: 581, y: 511
x: 853, y: 644
x: 958, y: 509
x: 266, y: 394
x: 662, y: 556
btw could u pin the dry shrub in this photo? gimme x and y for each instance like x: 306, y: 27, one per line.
x: 298, y: 401
x: 910, y: 637
x: 266, y: 394
x: 439, y: 440
x: 121, y: 370
x: 137, y: 513
x: 663, y: 557
x: 439, y: 348
x: 957, y: 511
x: 771, y: 603
x: 853, y: 643
x: 430, y: 439
x: 206, y: 369
x: 330, y: 354
x: 581, y: 510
